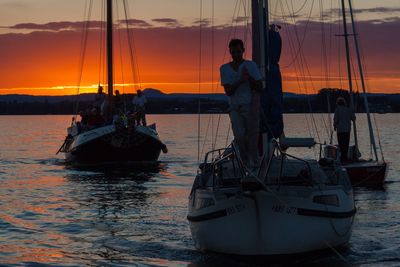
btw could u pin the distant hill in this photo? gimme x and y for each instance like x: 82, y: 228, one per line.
x: 150, y: 93
x: 160, y: 102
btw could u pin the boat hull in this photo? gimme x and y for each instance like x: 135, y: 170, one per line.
x: 264, y: 224
x: 107, y: 144
x: 369, y: 173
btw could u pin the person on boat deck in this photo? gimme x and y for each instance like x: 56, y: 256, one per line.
x: 342, y: 125
x: 100, y: 98
x: 139, y: 106
x: 241, y: 79
x: 95, y: 119
x: 118, y: 105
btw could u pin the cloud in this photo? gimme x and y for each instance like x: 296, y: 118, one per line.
x: 136, y: 23
x: 58, y: 26
x: 204, y: 22
x: 378, y: 10
x: 369, y: 10
x: 167, y: 21
x: 240, y: 19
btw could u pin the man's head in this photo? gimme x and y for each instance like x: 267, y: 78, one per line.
x: 340, y: 101
x: 236, y: 48
x: 139, y: 92
x: 100, y: 89
x: 116, y: 92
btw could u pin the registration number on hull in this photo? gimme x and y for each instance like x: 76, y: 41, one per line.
x: 284, y: 209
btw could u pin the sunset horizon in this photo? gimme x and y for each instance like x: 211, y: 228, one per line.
x: 42, y: 57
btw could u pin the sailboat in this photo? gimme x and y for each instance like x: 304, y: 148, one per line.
x: 289, y: 204
x: 361, y: 172
x: 112, y: 142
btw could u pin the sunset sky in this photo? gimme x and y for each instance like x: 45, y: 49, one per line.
x: 40, y: 42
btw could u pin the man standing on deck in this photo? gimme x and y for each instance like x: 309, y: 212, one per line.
x: 342, y: 125
x: 241, y: 78
x: 139, y: 103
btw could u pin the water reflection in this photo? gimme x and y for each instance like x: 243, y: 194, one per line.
x: 52, y: 213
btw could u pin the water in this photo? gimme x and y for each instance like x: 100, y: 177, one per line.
x: 60, y: 215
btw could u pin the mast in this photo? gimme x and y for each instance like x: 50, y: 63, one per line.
x: 349, y: 70
x: 260, y: 35
x: 110, y: 53
x: 360, y: 68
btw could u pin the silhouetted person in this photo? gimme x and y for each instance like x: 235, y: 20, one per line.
x: 139, y: 105
x: 342, y: 125
x: 100, y: 98
x: 241, y: 78
x: 118, y: 105
x: 95, y: 119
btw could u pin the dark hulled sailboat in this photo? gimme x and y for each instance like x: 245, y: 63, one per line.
x: 361, y: 172
x: 112, y: 142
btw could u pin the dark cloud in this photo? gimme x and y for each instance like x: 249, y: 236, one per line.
x: 167, y: 21
x: 372, y: 10
x: 240, y: 19
x: 203, y: 22
x: 136, y: 23
x: 57, y: 26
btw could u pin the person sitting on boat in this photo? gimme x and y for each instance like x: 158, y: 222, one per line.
x: 342, y: 125
x: 241, y: 78
x: 139, y: 103
x: 95, y: 119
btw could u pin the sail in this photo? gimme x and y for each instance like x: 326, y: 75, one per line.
x: 272, y: 97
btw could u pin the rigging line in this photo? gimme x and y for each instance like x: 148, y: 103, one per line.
x: 291, y: 49
x: 101, y: 40
x: 294, y: 12
x: 132, y: 48
x: 304, y: 63
x: 120, y: 51
x: 379, y: 137
x: 324, y: 65
x: 230, y: 30
x: 216, y: 133
x: 248, y: 29
x: 212, y: 67
x: 83, y: 52
x: 227, y: 136
x: 199, y: 89
x: 303, y: 38
x: 205, y: 138
x: 226, y: 49
x: 300, y: 67
x: 339, y: 45
x: 237, y: 21
x: 210, y: 117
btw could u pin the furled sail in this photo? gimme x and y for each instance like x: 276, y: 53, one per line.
x: 272, y: 96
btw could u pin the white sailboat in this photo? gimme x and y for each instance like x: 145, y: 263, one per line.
x: 291, y: 205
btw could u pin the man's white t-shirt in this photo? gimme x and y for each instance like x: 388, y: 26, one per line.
x: 139, y: 101
x: 242, y: 95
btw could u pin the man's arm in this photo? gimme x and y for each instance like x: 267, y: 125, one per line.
x: 231, y: 88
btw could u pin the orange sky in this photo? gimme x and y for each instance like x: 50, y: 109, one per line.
x: 46, y: 62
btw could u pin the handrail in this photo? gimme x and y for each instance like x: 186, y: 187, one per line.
x: 221, y: 157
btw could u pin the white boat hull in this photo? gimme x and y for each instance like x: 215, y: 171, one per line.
x: 261, y: 224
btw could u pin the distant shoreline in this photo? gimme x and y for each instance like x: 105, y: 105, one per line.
x: 161, y: 103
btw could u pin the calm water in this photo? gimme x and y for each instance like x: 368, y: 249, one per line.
x: 55, y: 214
